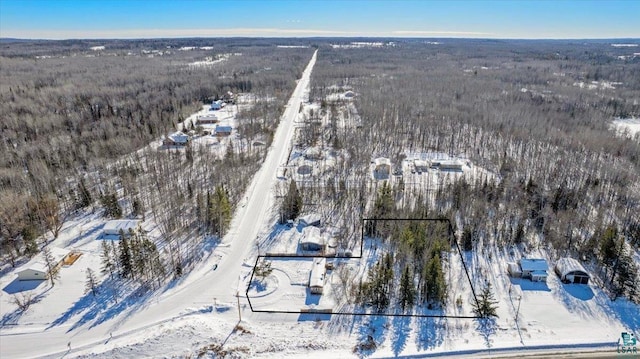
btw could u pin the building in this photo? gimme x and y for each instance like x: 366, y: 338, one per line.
x: 312, y: 240
x: 209, y: 119
x: 111, y: 229
x: 534, y: 269
x: 223, y: 131
x: 514, y: 270
x: 310, y: 219
x: 229, y: 97
x: 571, y: 271
x: 349, y: 94
x: 451, y: 165
x: 317, y: 275
x: 37, y: 269
x: 382, y: 168
x: 421, y: 165
x: 216, y: 105
x: 313, y: 153
x: 176, y: 139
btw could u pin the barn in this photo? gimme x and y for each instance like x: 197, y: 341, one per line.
x: 571, y: 271
x: 316, y: 277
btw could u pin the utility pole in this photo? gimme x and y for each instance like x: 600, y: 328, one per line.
x: 239, y: 309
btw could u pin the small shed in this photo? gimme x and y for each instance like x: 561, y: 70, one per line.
x: 534, y: 269
x: 312, y: 239
x: 111, y: 229
x: 317, y: 275
x: 382, y: 167
x: 310, y: 219
x: 176, y: 139
x: 223, y: 130
x: 571, y: 271
x: 514, y: 270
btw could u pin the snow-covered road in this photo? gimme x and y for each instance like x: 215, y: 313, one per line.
x: 203, y: 285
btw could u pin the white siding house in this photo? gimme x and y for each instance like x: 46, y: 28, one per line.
x: 317, y: 275
x: 534, y: 269
x: 111, y: 229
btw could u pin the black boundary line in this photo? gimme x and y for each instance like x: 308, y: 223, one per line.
x: 401, y: 315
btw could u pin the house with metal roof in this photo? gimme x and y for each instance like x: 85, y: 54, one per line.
x: 534, y: 269
x: 317, y: 275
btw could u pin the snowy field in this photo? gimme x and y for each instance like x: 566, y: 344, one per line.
x: 626, y: 126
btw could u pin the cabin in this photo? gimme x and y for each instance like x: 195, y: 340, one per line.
x: 111, y: 229
x: 534, y: 269
x: 176, y: 139
x: 421, y: 165
x: 382, y: 168
x: 37, y: 269
x: 312, y: 240
x: 571, y: 271
x: 317, y: 275
x: 223, y: 131
x: 209, y: 119
x: 310, y: 220
x: 216, y: 105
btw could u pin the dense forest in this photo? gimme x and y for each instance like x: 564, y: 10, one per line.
x: 77, y: 116
x: 561, y: 179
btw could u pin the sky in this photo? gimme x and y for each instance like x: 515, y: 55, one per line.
x: 554, y: 19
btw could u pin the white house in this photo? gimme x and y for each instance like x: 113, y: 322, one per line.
x: 317, y: 275
x: 176, y: 139
x: 111, y: 229
x: 534, y: 269
x: 312, y: 239
x: 571, y: 271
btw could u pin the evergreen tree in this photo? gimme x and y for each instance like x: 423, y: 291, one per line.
x: 108, y: 265
x: 609, y: 245
x: 29, y: 236
x: 111, y: 206
x: 219, y: 211
x: 126, y: 266
x: 486, y: 306
x: 434, y: 288
x: 84, y: 196
x: 407, y: 290
x: 91, y: 285
x: 292, y: 204
x: 52, y: 266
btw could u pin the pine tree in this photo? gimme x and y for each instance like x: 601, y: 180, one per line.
x: 486, y: 306
x: 91, y: 285
x: 219, y: 211
x: 292, y: 204
x: 608, y: 247
x: 108, y: 265
x: 52, y: 267
x: 84, y: 196
x: 434, y: 286
x: 407, y: 290
x: 111, y: 206
x: 125, y: 256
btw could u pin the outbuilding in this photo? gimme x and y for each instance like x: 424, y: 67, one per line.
x: 310, y: 219
x: 111, y: 229
x: 37, y: 269
x: 209, y: 119
x: 451, y: 165
x: 312, y: 239
x: 317, y: 275
x: 223, y: 131
x: 216, y: 105
x: 571, y: 271
x: 421, y: 165
x: 514, y: 270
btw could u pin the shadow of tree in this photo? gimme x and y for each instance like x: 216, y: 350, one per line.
x: 371, y: 335
x: 430, y: 333
x: 487, y: 328
x: 401, y: 330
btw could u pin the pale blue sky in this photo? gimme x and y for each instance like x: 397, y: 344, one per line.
x: 56, y: 19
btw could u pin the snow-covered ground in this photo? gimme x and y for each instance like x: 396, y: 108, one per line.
x: 200, y: 313
x: 626, y: 126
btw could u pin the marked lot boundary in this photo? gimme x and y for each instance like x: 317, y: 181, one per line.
x: 452, y: 240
